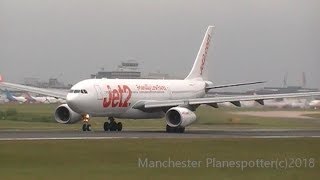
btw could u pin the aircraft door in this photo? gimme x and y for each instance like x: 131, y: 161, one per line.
x: 169, y: 92
x: 99, y: 92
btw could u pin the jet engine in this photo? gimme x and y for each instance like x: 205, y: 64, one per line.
x: 65, y: 115
x: 180, y: 117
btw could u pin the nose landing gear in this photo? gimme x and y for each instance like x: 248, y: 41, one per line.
x: 112, y: 125
x: 86, y: 126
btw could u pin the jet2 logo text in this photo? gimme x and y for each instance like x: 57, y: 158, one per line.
x: 118, y: 97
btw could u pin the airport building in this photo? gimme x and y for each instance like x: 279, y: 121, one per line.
x: 116, y: 75
x: 51, y: 83
x: 129, y: 70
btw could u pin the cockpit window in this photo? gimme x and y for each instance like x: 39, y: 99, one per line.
x: 82, y: 91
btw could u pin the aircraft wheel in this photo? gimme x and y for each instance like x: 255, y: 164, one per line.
x: 113, y: 126
x: 169, y: 129
x: 88, y: 127
x: 106, y: 126
x: 119, y: 126
x: 84, y: 127
x: 180, y: 129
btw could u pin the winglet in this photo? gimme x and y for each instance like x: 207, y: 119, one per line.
x: 1, y: 78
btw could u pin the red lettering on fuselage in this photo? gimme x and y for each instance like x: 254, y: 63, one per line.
x: 116, y: 96
x: 107, y: 101
x: 127, y: 90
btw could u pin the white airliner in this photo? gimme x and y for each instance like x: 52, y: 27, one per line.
x: 40, y: 99
x: 315, y: 104
x: 176, y: 100
x: 12, y: 98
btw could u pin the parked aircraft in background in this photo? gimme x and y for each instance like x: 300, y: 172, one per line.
x: 247, y: 104
x: 287, y: 103
x: 176, y: 100
x: 272, y: 103
x: 41, y: 99
x: 2, y: 99
x: 12, y: 98
x: 315, y: 104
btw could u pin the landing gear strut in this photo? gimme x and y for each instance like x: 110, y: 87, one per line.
x: 170, y: 129
x: 86, y: 126
x: 112, y: 125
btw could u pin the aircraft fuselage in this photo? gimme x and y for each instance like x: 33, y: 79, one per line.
x: 116, y: 97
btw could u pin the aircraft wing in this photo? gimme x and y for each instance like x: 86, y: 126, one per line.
x: 214, y: 101
x: 234, y: 85
x: 48, y: 92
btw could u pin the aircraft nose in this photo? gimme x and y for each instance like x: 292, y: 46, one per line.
x: 73, y: 101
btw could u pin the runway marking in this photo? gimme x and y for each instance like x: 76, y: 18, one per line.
x: 106, y: 138
x: 65, y: 138
x: 279, y: 137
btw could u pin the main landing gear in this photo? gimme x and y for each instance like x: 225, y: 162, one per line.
x: 112, y: 125
x: 86, y: 126
x: 170, y: 129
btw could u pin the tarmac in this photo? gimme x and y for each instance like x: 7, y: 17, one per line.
x: 137, y: 134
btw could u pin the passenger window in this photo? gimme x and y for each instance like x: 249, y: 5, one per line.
x: 71, y: 91
x: 76, y: 91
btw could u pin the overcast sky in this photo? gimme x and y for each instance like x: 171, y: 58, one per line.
x: 253, y: 39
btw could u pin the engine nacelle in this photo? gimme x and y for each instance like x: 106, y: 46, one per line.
x: 65, y: 115
x: 180, y: 117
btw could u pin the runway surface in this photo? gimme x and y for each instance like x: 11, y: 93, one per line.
x: 56, y: 135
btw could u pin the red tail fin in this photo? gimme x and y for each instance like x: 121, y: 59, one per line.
x: 1, y: 78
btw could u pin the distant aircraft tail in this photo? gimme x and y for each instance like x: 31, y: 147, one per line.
x: 285, y: 80
x: 9, y: 95
x: 27, y: 96
x: 7, y: 92
x: 304, y: 80
x: 200, y: 63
